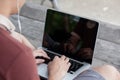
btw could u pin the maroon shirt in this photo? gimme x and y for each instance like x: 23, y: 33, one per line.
x: 16, y: 60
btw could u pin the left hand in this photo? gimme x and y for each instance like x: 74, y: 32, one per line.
x: 40, y: 52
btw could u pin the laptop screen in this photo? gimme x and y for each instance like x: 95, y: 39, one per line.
x: 70, y: 35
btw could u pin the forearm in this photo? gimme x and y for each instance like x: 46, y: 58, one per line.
x: 53, y: 78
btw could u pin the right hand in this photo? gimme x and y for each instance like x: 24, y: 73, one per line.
x: 58, y: 68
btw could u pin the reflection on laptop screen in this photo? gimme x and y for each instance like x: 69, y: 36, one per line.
x: 70, y: 35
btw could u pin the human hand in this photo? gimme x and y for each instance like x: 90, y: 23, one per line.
x: 40, y: 52
x: 58, y: 68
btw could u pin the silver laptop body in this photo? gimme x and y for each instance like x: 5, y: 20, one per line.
x: 59, y: 27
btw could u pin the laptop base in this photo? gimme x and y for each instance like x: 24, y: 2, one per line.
x: 43, y: 71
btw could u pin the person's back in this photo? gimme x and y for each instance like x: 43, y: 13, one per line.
x: 16, y: 60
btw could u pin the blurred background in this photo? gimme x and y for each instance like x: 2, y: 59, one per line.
x: 106, y: 12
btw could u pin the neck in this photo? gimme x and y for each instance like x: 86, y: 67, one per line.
x: 4, y: 14
x: 5, y: 9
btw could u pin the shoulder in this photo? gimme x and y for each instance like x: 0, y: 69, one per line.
x: 10, y: 49
x: 16, y: 60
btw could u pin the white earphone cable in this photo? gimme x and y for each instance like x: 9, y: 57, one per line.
x: 19, y: 23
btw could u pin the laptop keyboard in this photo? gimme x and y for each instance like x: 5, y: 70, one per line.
x: 74, y: 65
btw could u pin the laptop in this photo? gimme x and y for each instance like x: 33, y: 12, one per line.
x: 69, y: 35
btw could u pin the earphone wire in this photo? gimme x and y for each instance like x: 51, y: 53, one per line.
x: 19, y: 23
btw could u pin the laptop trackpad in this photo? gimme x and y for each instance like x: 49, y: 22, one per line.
x: 42, y: 70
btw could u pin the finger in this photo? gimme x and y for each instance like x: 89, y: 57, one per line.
x: 39, y: 61
x: 67, y: 60
x: 55, y: 58
x: 49, y: 63
x: 40, y: 51
x: 69, y: 64
x: 63, y: 57
x: 42, y: 54
x: 43, y: 51
x: 45, y: 54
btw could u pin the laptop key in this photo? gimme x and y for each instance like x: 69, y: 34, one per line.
x: 41, y: 57
x: 74, y: 66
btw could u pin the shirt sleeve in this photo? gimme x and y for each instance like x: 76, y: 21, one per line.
x: 16, y: 59
x: 23, y: 68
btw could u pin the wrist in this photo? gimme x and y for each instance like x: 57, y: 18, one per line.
x: 51, y: 78
x: 54, y: 78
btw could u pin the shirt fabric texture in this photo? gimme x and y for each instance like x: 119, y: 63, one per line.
x: 16, y: 59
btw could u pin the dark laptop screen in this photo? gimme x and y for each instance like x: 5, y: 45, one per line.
x: 70, y: 35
